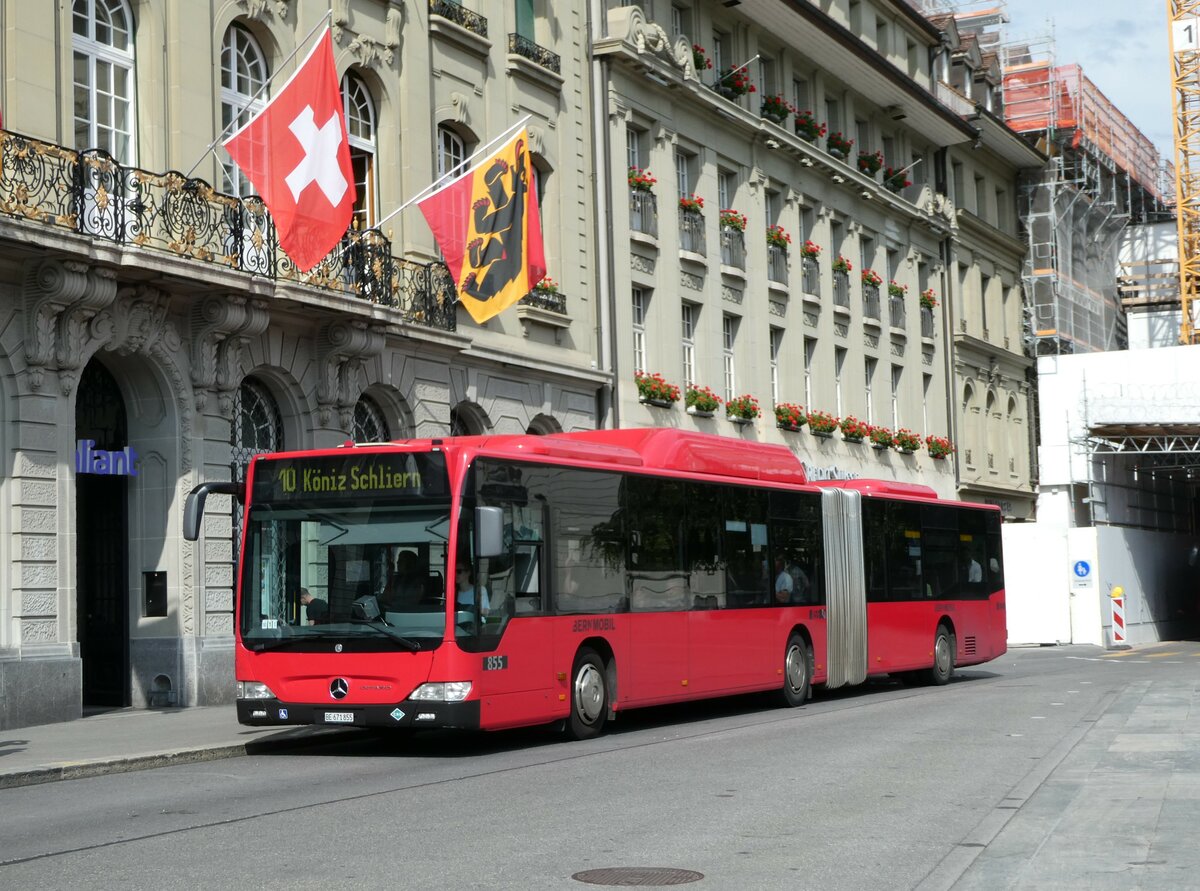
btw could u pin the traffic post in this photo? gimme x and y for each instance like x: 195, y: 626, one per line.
x: 1117, y: 598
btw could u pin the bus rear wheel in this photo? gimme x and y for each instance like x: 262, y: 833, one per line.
x: 589, y: 695
x: 943, y: 657
x: 797, y: 672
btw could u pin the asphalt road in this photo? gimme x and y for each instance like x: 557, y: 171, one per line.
x: 881, y: 786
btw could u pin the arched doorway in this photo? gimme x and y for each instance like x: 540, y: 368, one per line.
x: 103, y: 464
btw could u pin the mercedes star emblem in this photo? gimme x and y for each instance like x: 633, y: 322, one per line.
x: 338, y: 688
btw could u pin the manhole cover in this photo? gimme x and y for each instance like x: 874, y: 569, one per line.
x: 638, y: 876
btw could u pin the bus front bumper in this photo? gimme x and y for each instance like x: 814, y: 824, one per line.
x: 408, y: 714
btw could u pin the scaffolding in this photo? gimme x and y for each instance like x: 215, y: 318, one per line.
x: 1103, y: 173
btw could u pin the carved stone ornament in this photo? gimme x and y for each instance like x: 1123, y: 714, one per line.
x: 61, y: 299
x: 630, y: 25
x: 458, y: 109
x: 942, y: 206
x: 220, y: 327
x: 259, y: 9
x: 369, y: 51
x: 341, y: 348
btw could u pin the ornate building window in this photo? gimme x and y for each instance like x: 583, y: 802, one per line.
x: 369, y: 423
x: 360, y: 127
x: 102, y: 61
x: 451, y: 153
x: 257, y: 428
x: 243, y: 74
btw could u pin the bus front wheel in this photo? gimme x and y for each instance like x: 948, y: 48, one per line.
x: 797, y: 672
x: 589, y: 695
x: 943, y: 657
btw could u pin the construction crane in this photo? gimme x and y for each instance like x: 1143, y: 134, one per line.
x: 1183, y: 18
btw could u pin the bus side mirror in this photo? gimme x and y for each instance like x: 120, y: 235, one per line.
x: 193, y: 508
x: 489, y: 531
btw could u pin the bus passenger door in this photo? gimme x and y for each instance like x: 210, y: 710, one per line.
x: 657, y: 589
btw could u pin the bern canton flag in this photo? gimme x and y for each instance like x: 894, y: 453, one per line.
x: 486, y: 222
x: 296, y: 154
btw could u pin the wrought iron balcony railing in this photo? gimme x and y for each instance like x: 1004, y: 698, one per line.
x: 464, y: 18
x: 841, y: 289
x: 871, y: 302
x: 90, y: 193
x: 896, y: 313
x: 810, y: 276
x: 927, y: 322
x: 538, y: 55
x: 551, y: 301
x: 643, y: 212
x: 777, y: 270
x: 733, y: 247
x: 691, y: 233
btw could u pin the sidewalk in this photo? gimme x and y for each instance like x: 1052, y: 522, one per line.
x: 136, y: 739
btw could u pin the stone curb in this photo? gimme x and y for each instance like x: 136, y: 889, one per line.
x: 76, y: 770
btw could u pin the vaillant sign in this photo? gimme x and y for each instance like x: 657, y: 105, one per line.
x: 89, y: 459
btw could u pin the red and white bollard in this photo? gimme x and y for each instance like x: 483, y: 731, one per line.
x: 1117, y: 597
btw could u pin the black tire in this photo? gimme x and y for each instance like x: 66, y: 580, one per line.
x: 589, y: 695
x: 944, y: 648
x: 797, y: 672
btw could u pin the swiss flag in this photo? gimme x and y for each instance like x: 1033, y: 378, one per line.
x: 296, y: 154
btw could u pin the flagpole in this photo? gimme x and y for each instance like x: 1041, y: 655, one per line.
x: 212, y: 145
x: 731, y: 71
x: 438, y: 183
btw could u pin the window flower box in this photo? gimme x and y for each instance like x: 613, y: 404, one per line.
x: 777, y: 237
x: 653, y: 389
x: 731, y: 219
x: 701, y: 401
x: 742, y: 409
x: 734, y: 82
x: 895, y: 180
x: 807, y: 127
x: 839, y: 146
x: 906, y: 441
x: 881, y: 438
x: 854, y: 430
x: 821, y: 423
x: 692, y: 204
x: 776, y: 108
x: 641, y: 180
x: 938, y: 446
x: 789, y: 416
x: 928, y: 300
x: 870, y: 163
x: 871, y: 278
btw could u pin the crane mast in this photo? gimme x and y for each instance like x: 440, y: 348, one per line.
x: 1184, y: 25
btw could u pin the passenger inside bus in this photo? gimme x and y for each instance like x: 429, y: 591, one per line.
x: 464, y: 587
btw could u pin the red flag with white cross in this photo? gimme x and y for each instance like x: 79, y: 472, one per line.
x: 296, y: 154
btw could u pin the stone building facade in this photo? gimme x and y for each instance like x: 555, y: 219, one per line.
x: 152, y: 336
x: 892, y: 296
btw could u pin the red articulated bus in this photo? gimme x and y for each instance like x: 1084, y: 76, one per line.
x: 489, y: 582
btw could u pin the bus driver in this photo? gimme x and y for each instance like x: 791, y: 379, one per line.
x: 464, y: 588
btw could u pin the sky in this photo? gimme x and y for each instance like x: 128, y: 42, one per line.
x: 1122, y: 46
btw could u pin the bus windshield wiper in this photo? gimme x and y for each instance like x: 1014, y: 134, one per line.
x: 380, y: 624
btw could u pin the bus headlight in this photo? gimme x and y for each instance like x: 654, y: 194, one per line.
x: 450, y: 691
x: 253, y: 690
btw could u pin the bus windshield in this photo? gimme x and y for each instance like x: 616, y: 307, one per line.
x: 363, y: 564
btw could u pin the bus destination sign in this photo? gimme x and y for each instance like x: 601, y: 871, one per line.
x: 417, y: 475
